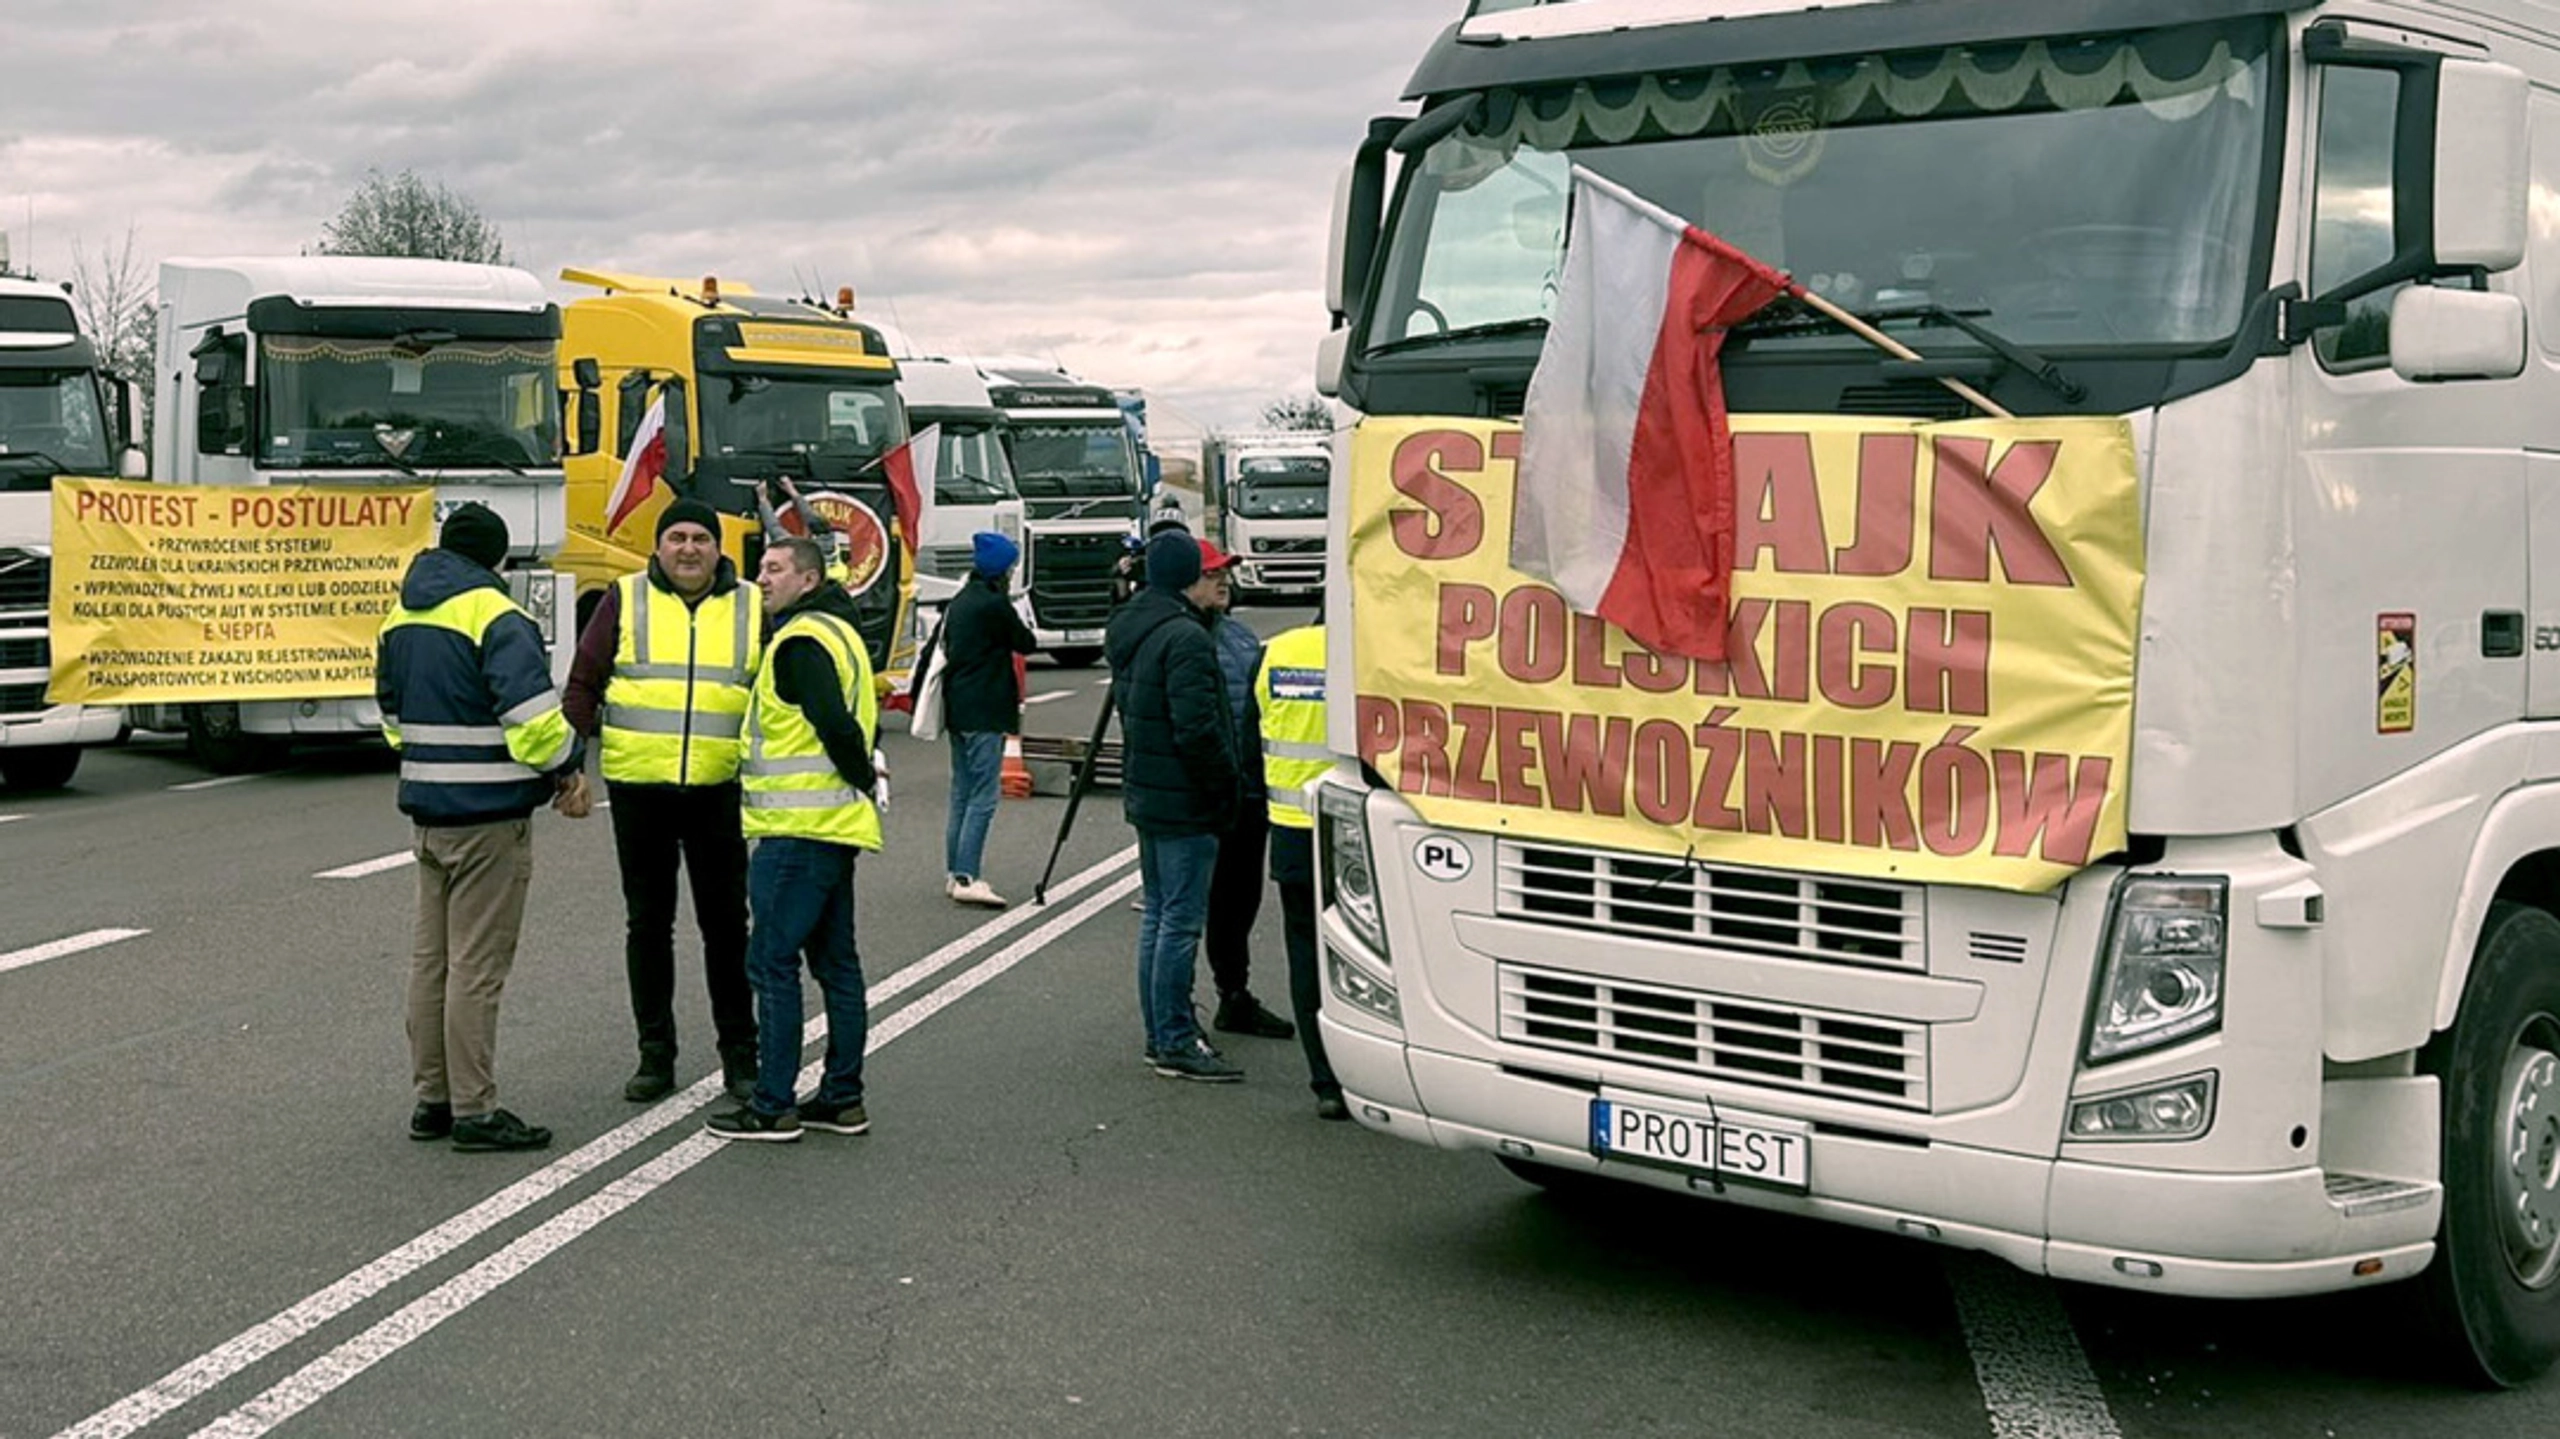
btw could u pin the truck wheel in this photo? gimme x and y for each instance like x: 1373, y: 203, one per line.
x: 218, y: 743
x: 2494, y: 1290
x: 1075, y: 657
x: 42, y: 767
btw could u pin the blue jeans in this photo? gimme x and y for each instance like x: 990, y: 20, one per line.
x: 801, y: 891
x: 1176, y: 871
x: 977, y: 764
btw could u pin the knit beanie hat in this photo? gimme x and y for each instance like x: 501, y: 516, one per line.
x: 1173, y: 561
x: 476, y: 533
x: 689, y: 512
x: 992, y: 553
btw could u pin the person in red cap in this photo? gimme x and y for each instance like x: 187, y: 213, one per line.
x: 1235, y: 886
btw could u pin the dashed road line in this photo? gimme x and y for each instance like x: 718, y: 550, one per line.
x: 1051, y: 695
x: 371, y: 866
x: 74, y: 944
x: 215, y: 783
x: 11, y: 818
x: 217, y: 1365
x: 2036, y: 1380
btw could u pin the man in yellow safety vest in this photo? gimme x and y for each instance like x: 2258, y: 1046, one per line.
x: 1289, y: 689
x: 662, y: 675
x: 807, y: 784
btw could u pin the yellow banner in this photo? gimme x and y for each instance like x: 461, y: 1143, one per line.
x: 169, y: 593
x: 1932, y: 653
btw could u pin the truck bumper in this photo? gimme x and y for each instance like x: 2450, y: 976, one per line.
x: 319, y: 719
x: 2209, y: 1235
x: 63, y: 725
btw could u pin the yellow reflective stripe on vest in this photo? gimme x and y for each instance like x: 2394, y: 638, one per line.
x: 790, y: 786
x: 677, y: 700
x: 1289, y: 688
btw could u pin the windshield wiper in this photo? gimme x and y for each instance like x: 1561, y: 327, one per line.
x: 1494, y: 330
x: 2036, y: 367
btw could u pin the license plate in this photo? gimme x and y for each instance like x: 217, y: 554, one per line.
x: 1083, y: 637
x: 1745, y: 1149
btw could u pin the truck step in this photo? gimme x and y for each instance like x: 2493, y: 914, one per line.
x: 2361, y: 1196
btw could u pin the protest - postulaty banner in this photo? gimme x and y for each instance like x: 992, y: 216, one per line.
x: 192, y: 593
x: 1930, y: 675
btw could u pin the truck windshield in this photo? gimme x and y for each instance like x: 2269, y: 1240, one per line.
x: 764, y: 415
x: 1277, y: 488
x: 418, y: 402
x: 2103, y: 193
x: 971, y: 468
x: 50, y: 423
x: 1075, y: 459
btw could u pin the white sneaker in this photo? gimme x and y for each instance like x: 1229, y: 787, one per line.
x: 950, y: 888
x: 977, y: 892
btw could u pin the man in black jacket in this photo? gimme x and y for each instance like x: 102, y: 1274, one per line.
x: 981, y: 704
x: 1180, y: 782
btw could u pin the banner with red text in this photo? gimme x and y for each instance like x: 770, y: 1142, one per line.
x: 1931, y: 667
x: 170, y: 593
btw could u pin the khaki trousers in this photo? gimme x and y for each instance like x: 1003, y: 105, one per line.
x: 471, y: 887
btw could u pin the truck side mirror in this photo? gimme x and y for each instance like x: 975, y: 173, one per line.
x: 586, y: 372
x: 679, y: 434
x: 2439, y: 333
x: 2483, y: 184
x: 1331, y: 353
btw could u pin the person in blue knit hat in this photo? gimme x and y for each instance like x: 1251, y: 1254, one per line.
x: 981, y: 704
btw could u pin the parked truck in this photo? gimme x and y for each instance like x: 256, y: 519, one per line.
x: 345, y: 372
x: 1264, y: 497
x: 2123, y: 838
x: 1077, y: 466
x: 972, y: 480
x: 758, y: 397
x: 61, y: 416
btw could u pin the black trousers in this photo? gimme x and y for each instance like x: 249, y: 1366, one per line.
x: 1235, y: 902
x: 654, y: 828
x: 1293, y: 870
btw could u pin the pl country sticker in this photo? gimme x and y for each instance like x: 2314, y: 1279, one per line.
x: 2396, y: 673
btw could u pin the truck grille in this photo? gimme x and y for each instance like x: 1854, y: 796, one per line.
x: 25, y: 652
x: 1867, y: 1061
x: 1071, y: 579
x: 24, y: 579
x: 1786, y: 916
x: 1303, y: 545
x: 948, y: 562
x: 21, y: 701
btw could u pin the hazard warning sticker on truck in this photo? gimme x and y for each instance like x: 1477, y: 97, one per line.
x: 2396, y: 673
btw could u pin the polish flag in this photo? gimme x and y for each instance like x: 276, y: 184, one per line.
x: 642, y: 467
x: 1625, y: 501
x: 911, y: 468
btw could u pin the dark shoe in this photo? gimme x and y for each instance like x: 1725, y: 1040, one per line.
x: 1244, y: 1014
x: 1330, y: 1106
x: 835, y: 1118
x: 1199, y: 1062
x: 651, y: 1082
x: 431, y: 1121
x: 498, y: 1130
x: 738, y: 1074
x: 744, y: 1122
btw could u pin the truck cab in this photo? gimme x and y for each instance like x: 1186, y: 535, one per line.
x: 350, y: 371
x: 1077, y: 466
x: 59, y: 416
x: 1264, y: 495
x: 973, y: 487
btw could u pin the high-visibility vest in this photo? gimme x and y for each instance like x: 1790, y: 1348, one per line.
x: 477, y: 721
x: 677, y: 701
x: 790, y: 786
x: 1290, y: 690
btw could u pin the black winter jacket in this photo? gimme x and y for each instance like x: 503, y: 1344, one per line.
x: 980, y: 636
x: 462, y: 701
x: 1180, y: 773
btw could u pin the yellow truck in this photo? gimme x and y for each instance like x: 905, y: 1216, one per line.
x: 759, y: 398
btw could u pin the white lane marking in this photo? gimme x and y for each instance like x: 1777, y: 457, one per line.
x: 251, y: 1345
x: 196, y: 784
x: 11, y: 818
x: 38, y: 954
x: 2036, y: 1380
x: 1102, y: 684
x: 371, y: 866
x: 316, y: 1380
x: 1051, y: 695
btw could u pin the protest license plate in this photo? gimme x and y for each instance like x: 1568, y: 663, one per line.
x: 1746, y: 1149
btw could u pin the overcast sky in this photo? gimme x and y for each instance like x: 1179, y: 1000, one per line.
x: 1139, y: 188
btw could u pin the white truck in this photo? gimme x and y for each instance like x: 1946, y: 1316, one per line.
x: 356, y: 371
x: 1077, y: 466
x: 972, y: 480
x: 60, y: 415
x: 1264, y: 497
x: 2298, y: 1029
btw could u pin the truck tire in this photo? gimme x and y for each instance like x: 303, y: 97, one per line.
x: 218, y: 743
x: 1075, y: 657
x: 38, y: 768
x: 2494, y: 1290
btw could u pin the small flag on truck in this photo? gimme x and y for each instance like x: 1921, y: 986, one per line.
x: 642, y: 467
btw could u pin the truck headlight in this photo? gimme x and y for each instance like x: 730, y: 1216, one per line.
x: 2161, y: 981
x: 1350, y: 878
x: 2179, y: 1109
x: 1358, y: 987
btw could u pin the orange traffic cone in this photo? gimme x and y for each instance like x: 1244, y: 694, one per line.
x: 1015, y: 778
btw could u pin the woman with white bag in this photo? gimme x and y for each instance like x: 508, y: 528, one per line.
x: 973, y: 666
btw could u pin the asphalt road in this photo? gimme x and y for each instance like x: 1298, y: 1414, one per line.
x: 211, y: 1219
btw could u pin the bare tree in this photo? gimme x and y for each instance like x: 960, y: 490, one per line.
x: 407, y: 214
x: 1298, y: 412
x: 118, y: 300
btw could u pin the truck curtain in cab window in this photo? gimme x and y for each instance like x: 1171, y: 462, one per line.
x: 2100, y: 192
x: 440, y: 405
x: 1067, y: 459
